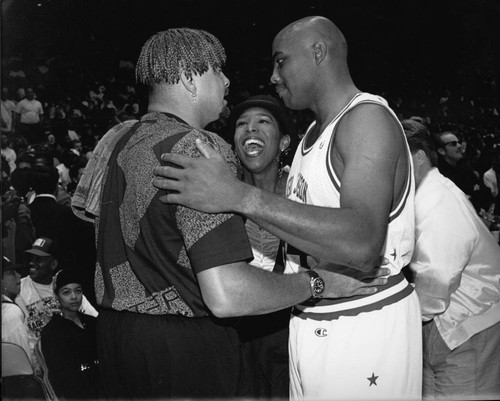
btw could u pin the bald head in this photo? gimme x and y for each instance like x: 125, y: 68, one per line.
x: 315, y: 29
x: 310, y: 64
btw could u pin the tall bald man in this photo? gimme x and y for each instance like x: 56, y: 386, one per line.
x: 350, y: 201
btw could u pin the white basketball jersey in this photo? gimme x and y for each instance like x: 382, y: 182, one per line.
x: 313, y: 181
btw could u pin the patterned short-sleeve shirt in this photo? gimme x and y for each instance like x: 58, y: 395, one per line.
x: 148, y: 252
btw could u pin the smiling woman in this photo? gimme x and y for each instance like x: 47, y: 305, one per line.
x: 263, y: 131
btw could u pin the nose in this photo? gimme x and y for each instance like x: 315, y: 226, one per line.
x: 251, y: 127
x: 275, y: 78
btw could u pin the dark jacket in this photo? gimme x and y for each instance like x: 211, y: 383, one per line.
x: 71, y: 356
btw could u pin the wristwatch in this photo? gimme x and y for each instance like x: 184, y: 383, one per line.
x: 316, y: 284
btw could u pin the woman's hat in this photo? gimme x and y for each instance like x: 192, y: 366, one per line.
x: 65, y: 277
x: 7, y: 265
x: 270, y: 103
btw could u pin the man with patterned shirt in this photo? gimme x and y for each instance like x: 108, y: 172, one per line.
x: 167, y: 278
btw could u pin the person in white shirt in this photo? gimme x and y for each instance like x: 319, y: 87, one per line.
x: 37, y: 298
x: 7, y: 109
x: 30, y: 115
x: 9, y: 153
x: 456, y: 267
x: 14, y: 329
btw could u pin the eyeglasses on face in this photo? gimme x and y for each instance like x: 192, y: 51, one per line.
x: 452, y: 143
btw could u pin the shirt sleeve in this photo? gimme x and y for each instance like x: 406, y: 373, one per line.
x: 212, y: 239
x: 444, y: 242
x: 14, y: 329
x: 87, y: 308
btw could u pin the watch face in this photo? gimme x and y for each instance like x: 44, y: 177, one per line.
x: 319, y: 286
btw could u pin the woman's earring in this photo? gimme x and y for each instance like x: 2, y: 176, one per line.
x: 281, y: 161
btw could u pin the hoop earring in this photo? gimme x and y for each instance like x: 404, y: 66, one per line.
x: 281, y: 161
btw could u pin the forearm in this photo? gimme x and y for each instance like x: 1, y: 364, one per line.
x: 340, y: 236
x: 240, y: 289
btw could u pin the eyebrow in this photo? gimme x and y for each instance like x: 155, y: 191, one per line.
x: 275, y: 55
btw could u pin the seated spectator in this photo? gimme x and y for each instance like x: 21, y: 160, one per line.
x: 456, y: 265
x: 14, y: 329
x: 69, y: 343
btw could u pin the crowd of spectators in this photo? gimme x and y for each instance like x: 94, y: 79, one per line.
x: 81, y: 103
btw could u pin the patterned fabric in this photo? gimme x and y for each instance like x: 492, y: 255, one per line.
x: 264, y: 246
x: 149, y: 253
x: 86, y: 199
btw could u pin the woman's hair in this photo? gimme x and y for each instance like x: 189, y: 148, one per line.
x: 168, y: 53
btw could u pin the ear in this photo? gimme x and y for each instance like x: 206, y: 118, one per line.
x: 441, y: 151
x: 320, y: 50
x: 189, y: 83
x: 284, y: 142
x: 420, y: 158
x: 54, y: 264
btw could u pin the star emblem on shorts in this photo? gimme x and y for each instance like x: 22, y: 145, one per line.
x: 373, y: 379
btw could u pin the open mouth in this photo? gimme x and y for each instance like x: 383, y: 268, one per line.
x: 253, y: 147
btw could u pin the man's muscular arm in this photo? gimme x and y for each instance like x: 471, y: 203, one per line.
x: 238, y: 289
x: 368, y: 144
